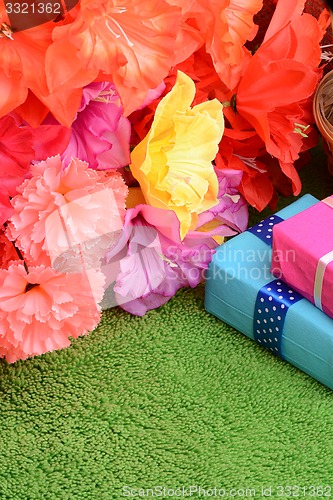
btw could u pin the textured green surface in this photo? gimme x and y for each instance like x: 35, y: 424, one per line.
x: 176, y: 398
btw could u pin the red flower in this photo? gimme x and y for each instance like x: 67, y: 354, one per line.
x: 224, y: 26
x: 16, y: 152
x: 19, y: 146
x: 7, y: 250
x: 243, y: 150
x: 278, y: 84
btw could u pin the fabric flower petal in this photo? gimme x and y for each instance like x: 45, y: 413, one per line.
x: 182, y: 141
x: 40, y: 311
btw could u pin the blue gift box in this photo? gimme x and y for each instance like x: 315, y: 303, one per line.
x: 241, y: 291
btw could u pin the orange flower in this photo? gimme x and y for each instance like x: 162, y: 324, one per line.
x: 233, y: 26
x: 22, y: 57
x: 225, y: 26
x: 22, y: 75
x: 131, y: 42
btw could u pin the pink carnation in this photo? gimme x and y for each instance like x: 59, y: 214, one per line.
x: 41, y: 310
x: 67, y: 209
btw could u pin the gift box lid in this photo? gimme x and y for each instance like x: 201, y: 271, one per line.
x: 309, y: 235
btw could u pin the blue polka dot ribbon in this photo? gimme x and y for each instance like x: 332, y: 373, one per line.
x: 264, y: 230
x: 273, y: 300
x: 272, y: 304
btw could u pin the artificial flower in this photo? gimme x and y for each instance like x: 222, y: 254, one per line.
x: 224, y: 27
x: 280, y: 78
x: 230, y: 215
x: 6, y: 208
x: 199, y: 67
x: 42, y: 309
x: 19, y: 146
x: 242, y: 151
x: 217, y: 115
x: 149, y: 262
x: 23, y: 71
x: 130, y: 42
x: 284, y: 13
x: 232, y: 26
x: 173, y: 164
x: 67, y: 209
x: 16, y: 151
x: 7, y: 250
x: 100, y: 134
x: 48, y: 140
x: 32, y: 110
x: 22, y: 59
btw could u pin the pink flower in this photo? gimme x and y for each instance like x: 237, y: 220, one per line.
x: 41, y: 310
x: 230, y: 215
x: 100, y: 133
x: 149, y: 263
x: 65, y: 209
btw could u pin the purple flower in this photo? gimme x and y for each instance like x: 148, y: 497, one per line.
x: 150, y: 263
x: 230, y: 215
x: 100, y: 133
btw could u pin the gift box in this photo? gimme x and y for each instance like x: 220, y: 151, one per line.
x: 241, y: 291
x: 309, y: 235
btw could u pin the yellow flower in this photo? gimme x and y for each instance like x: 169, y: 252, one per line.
x: 173, y: 163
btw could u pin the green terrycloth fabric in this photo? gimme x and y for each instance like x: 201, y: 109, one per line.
x: 173, y: 399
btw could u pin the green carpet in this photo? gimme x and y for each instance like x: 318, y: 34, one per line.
x: 173, y: 399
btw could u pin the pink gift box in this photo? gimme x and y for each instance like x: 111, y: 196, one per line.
x: 303, y: 254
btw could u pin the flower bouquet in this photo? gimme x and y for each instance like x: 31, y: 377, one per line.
x: 134, y: 136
